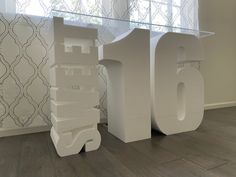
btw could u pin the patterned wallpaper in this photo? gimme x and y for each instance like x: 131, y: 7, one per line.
x: 24, y: 87
x: 24, y: 83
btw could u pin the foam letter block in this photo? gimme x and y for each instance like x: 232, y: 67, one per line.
x: 66, y: 124
x: 71, y: 78
x: 69, y: 42
x: 74, y: 89
x: 73, y: 95
x: 177, y: 92
x: 70, y: 143
x: 128, y: 89
x: 72, y: 109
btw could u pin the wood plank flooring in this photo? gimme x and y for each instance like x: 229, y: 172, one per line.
x: 208, y: 152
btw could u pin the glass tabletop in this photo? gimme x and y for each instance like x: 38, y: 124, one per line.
x: 110, y: 28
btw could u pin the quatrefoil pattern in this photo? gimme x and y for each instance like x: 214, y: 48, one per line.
x: 24, y: 51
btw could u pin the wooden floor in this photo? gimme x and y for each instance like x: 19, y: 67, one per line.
x: 208, y: 152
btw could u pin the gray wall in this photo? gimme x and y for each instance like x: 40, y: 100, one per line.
x: 219, y: 67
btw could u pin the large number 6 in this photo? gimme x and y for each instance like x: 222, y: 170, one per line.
x: 177, y: 92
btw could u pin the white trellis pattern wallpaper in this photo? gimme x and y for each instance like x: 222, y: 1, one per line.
x: 24, y: 84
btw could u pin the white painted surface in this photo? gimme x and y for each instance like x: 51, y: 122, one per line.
x: 220, y: 105
x: 177, y: 92
x: 128, y: 87
x: 73, y: 70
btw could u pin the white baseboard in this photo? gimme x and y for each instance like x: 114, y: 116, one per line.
x: 21, y: 131
x: 220, y: 105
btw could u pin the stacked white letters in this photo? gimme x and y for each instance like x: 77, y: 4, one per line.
x: 74, y: 89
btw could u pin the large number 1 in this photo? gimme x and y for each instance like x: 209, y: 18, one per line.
x: 128, y: 90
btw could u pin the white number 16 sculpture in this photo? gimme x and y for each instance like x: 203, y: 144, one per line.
x: 145, y: 87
